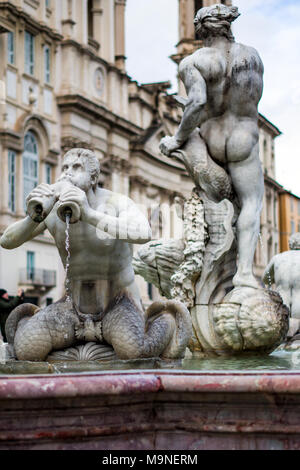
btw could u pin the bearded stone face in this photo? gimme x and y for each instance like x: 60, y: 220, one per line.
x: 215, y: 21
x: 81, y: 168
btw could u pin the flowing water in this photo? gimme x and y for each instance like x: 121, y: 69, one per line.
x: 67, y: 245
x: 265, y: 260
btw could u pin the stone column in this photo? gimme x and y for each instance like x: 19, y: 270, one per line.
x: 120, y: 33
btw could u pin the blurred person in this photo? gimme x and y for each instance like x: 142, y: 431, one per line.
x: 7, y: 305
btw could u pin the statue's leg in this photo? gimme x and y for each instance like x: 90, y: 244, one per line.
x: 125, y: 328
x: 36, y: 336
x: 248, y: 182
x: 206, y: 173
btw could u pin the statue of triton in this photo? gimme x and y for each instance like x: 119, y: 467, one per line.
x: 105, y: 305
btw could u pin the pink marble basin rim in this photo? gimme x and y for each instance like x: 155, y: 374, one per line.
x: 141, y: 382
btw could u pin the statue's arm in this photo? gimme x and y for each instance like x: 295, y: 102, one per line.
x: 129, y: 224
x: 20, y: 232
x: 196, y: 98
x: 195, y: 86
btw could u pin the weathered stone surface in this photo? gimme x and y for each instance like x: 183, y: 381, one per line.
x: 147, y: 410
x: 85, y: 352
x: 175, y: 265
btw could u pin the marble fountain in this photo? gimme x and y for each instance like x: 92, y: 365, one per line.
x: 208, y: 367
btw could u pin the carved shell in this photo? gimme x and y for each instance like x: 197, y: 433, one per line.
x: 224, y: 316
x: 263, y: 321
x: 251, y: 320
x: 84, y: 352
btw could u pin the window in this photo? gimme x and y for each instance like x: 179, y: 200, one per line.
x: 47, y: 63
x: 10, y: 48
x: 12, y: 180
x: 292, y: 227
x: 29, y: 53
x: 48, y: 173
x: 30, y: 165
x: 291, y: 204
x: 30, y: 265
x: 47, y: 3
x: 90, y: 19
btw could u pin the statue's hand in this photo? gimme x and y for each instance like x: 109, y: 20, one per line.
x: 78, y: 196
x: 168, y: 145
x: 46, y: 193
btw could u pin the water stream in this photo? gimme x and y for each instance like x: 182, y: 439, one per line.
x: 67, y: 245
x: 265, y: 260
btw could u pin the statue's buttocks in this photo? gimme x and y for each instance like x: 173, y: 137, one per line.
x: 233, y: 86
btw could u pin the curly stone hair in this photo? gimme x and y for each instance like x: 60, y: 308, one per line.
x: 294, y: 241
x: 215, y: 21
x: 89, y: 157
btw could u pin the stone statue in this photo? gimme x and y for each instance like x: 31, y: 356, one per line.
x: 217, y: 141
x: 102, y: 304
x: 224, y: 82
x: 284, y: 271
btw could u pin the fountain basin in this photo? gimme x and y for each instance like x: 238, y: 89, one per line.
x: 151, y: 410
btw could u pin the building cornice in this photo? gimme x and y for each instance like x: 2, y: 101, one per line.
x: 147, y: 184
x: 135, y: 97
x: 36, y: 27
x: 88, y: 50
x: 272, y: 182
x: 289, y: 193
x: 11, y: 139
x: 140, y: 152
x: 263, y: 121
x: 76, y: 102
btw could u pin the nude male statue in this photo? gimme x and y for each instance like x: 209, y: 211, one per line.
x: 284, y: 271
x: 224, y: 82
x: 106, y: 302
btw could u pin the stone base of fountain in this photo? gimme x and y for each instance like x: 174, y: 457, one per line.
x: 160, y: 410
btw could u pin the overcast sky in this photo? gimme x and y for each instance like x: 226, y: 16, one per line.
x: 271, y: 26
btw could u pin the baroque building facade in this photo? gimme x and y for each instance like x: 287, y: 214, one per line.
x: 63, y: 84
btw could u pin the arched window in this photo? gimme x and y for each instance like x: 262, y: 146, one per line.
x: 30, y: 164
